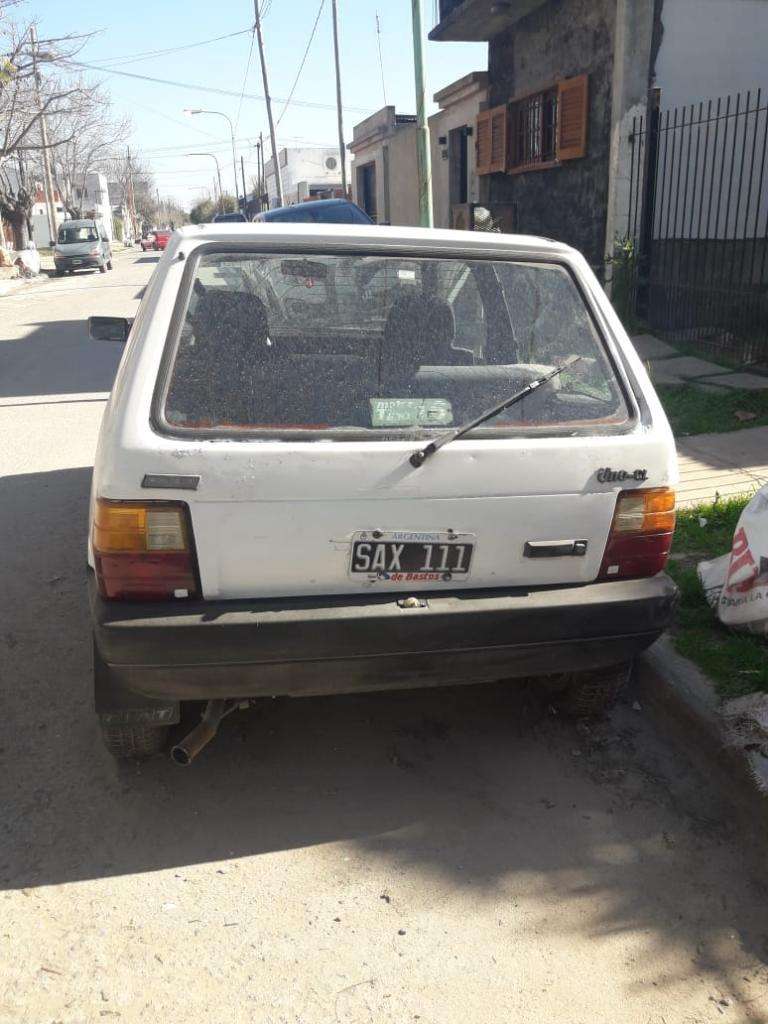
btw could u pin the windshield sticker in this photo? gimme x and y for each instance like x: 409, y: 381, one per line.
x: 411, y: 412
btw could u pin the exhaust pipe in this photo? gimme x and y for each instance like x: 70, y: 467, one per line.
x: 185, y: 752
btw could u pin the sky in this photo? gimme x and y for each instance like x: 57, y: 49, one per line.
x: 163, y: 133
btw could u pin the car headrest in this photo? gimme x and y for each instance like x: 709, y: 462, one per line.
x: 229, y: 319
x: 419, y: 332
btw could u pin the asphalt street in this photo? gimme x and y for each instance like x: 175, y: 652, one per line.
x: 444, y: 856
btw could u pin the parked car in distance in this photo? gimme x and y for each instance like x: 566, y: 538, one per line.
x: 147, y: 241
x: 161, y: 239
x: 82, y: 245
x: 318, y: 211
x: 346, y: 458
x: 230, y: 218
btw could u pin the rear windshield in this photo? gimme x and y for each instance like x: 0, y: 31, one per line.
x: 77, y: 233
x: 384, y: 346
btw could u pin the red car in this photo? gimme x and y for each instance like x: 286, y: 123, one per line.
x: 161, y: 239
x: 147, y: 242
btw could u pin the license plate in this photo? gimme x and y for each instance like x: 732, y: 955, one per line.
x: 404, y: 557
x: 74, y: 262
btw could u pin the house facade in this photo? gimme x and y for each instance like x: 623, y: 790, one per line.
x: 41, y: 234
x: 455, y: 184
x: 305, y: 173
x: 385, y: 167
x: 568, y: 80
x: 92, y: 200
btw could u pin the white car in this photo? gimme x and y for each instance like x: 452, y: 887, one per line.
x: 342, y: 458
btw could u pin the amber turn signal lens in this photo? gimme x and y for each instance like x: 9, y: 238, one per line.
x: 645, y: 511
x: 124, y: 527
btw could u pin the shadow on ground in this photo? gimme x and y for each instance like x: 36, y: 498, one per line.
x: 476, y: 787
x: 57, y: 358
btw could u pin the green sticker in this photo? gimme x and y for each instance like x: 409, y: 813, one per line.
x: 411, y: 412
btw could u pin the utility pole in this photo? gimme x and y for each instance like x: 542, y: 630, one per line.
x: 245, y: 191
x: 47, y: 175
x: 129, y: 189
x: 342, y: 150
x: 275, y: 160
x: 262, y: 176
x: 422, y: 128
x: 381, y: 59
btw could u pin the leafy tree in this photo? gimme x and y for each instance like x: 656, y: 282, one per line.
x: 203, y: 212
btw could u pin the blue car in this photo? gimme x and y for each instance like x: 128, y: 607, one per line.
x: 320, y: 211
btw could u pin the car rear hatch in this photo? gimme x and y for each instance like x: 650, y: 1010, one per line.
x: 296, y: 387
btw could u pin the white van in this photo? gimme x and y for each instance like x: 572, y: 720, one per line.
x: 342, y: 458
x: 82, y: 245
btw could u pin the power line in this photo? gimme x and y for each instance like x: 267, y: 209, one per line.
x: 208, y: 88
x: 245, y: 78
x: 176, y: 120
x: 303, y: 62
x: 147, y: 54
x: 243, y: 145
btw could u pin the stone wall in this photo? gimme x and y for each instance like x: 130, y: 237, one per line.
x: 563, y: 39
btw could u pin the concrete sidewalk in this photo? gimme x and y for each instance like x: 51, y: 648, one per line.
x: 726, y: 464
x: 722, y: 464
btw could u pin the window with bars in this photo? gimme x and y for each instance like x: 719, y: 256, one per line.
x: 533, y: 128
x: 535, y: 131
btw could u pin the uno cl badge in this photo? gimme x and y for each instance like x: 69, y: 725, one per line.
x: 609, y: 476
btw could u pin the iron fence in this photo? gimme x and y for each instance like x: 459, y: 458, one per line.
x: 697, y: 224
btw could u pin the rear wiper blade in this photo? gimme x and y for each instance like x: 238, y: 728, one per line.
x: 420, y: 457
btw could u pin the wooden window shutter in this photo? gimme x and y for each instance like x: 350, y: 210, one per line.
x: 483, y: 142
x: 491, y: 140
x: 499, y: 117
x: 572, y: 101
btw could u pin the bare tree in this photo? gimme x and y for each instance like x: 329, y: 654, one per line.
x: 135, y: 183
x: 85, y: 139
x: 26, y: 95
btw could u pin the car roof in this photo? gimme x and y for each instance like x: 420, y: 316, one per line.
x: 312, y: 204
x: 81, y: 220
x: 372, y: 237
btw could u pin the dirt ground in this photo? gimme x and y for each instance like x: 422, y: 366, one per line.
x: 442, y: 856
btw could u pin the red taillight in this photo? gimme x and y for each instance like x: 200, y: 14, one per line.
x: 641, y: 534
x: 143, y: 551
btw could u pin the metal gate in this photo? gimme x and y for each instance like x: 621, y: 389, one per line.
x: 698, y: 224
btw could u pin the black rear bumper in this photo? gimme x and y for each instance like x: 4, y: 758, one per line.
x: 304, y: 646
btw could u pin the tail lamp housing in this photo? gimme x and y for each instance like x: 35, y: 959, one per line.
x: 641, y: 534
x: 144, y: 551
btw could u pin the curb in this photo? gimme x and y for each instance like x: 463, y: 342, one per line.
x: 686, y: 709
x: 20, y: 284
x: 15, y: 285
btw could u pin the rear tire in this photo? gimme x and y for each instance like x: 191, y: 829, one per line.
x: 102, y: 268
x: 592, y: 694
x: 109, y: 264
x: 134, y: 742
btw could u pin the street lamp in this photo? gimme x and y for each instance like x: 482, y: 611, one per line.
x: 220, y: 113
x: 218, y: 175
